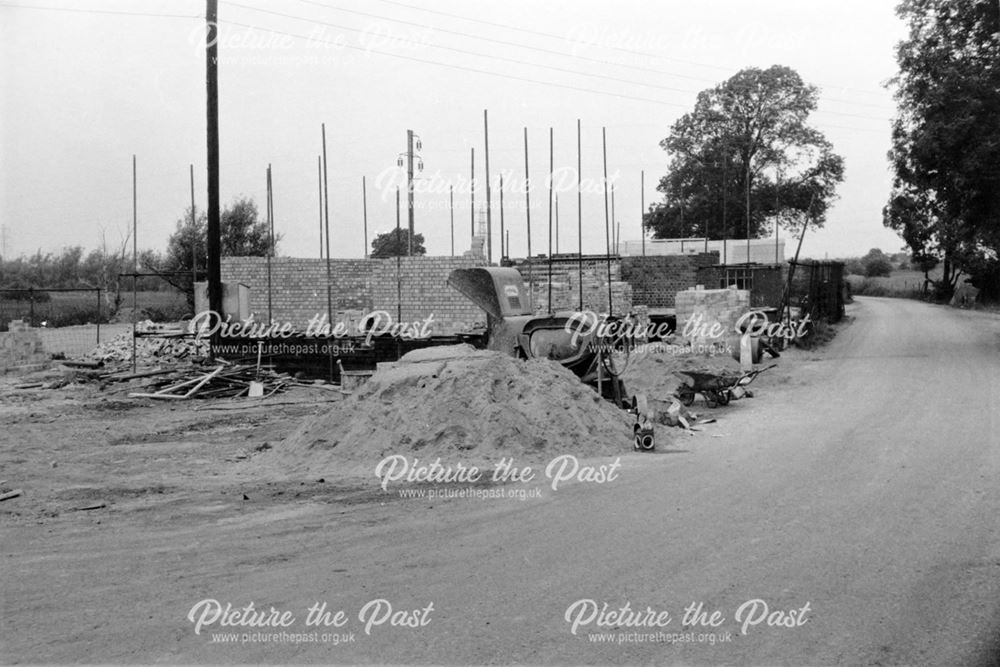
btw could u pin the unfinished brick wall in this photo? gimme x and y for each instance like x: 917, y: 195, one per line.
x: 566, y: 284
x: 766, y: 281
x: 656, y: 279
x: 298, y: 288
x: 424, y: 288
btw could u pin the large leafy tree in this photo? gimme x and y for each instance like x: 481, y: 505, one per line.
x: 396, y: 244
x: 745, y: 158
x: 946, y: 139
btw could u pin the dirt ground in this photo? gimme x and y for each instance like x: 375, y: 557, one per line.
x: 135, y: 509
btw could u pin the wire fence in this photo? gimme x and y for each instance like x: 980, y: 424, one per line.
x: 73, y: 321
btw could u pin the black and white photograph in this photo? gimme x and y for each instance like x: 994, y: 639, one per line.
x: 441, y: 332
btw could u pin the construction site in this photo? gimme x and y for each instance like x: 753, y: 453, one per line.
x: 277, y: 387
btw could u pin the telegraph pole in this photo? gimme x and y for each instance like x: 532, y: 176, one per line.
x: 214, y: 240
x: 412, y: 142
x: 409, y: 189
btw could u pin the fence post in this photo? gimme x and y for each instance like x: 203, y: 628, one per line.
x: 31, y: 306
x: 98, y: 316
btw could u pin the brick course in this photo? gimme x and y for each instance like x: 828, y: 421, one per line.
x: 298, y: 288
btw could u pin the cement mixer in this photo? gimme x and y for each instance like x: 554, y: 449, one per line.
x: 512, y: 328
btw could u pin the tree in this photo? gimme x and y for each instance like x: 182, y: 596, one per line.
x: 945, y: 201
x: 745, y: 153
x: 242, y: 234
x: 876, y: 263
x: 395, y: 244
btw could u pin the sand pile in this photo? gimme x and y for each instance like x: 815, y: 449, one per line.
x: 461, y: 404
x: 652, y: 371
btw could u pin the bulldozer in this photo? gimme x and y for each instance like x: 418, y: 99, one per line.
x: 513, y: 328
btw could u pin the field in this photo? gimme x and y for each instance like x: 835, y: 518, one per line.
x: 904, y: 283
x: 63, y: 309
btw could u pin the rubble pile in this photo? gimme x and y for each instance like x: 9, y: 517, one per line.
x: 457, y: 403
x: 154, y: 343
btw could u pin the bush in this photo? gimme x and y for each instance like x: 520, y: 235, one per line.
x: 878, y: 266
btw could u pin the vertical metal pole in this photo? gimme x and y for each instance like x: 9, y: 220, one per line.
x: 607, y: 229
x: 270, y: 227
x: 319, y: 177
x: 579, y: 212
x: 194, y: 241
x: 329, y: 279
x: 409, y: 190
x: 642, y: 208
x: 614, y: 219
x: 504, y: 250
x: 777, y: 188
x: 135, y: 255
x: 364, y: 211
x: 213, y: 233
x: 557, y: 224
x: 527, y: 212
x: 725, y: 203
x: 748, y: 211
x: 399, y: 273
x: 489, y: 219
x: 551, y: 169
x: 98, y: 315
x: 451, y: 212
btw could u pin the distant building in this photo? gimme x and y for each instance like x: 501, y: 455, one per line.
x: 732, y: 251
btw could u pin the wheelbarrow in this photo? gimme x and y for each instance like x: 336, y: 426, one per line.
x: 717, y: 388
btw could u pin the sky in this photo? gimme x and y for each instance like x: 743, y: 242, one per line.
x: 90, y: 83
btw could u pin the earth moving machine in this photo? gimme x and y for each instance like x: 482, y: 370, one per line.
x: 514, y: 329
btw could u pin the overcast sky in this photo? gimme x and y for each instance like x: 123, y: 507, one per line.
x: 84, y: 90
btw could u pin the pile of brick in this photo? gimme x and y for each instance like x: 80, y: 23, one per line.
x: 153, y: 344
x: 702, y: 309
x: 21, y: 348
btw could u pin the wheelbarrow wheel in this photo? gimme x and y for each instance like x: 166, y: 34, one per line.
x: 723, y: 397
x: 711, y: 398
x: 686, y: 397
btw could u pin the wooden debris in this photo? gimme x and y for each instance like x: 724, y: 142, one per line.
x: 11, y: 494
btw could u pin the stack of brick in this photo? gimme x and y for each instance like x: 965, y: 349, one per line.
x: 21, y: 349
x: 701, y: 310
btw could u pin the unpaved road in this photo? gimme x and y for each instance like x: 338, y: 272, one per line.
x: 867, y: 487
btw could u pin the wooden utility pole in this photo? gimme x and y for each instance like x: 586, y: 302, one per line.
x: 214, y: 237
x: 135, y: 254
x: 451, y: 212
x: 409, y: 189
x: 579, y: 212
x: 472, y: 193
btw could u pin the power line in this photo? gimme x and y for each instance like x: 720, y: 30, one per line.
x: 503, y: 58
x: 561, y: 38
x: 76, y: 10
x: 467, y: 69
x: 474, y: 53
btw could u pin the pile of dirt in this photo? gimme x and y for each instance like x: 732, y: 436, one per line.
x: 653, y: 371
x: 460, y: 404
